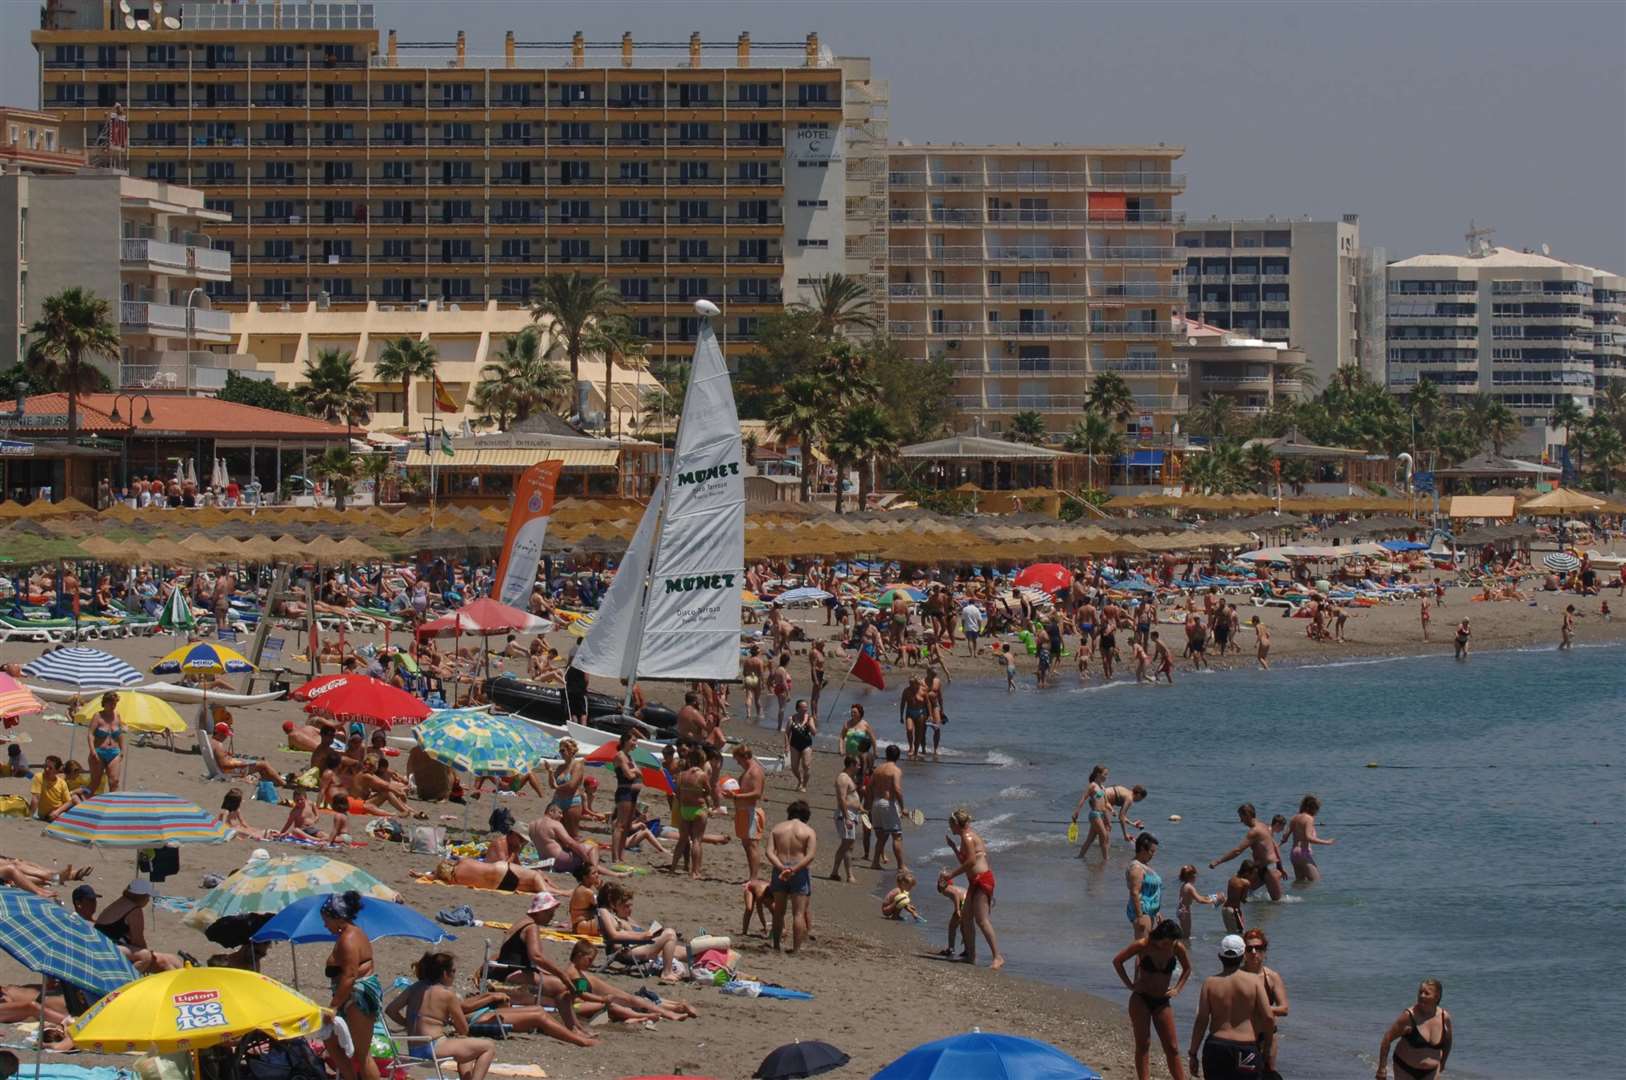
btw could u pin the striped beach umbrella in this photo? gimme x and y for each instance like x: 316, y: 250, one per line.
x: 137, y: 819
x: 83, y: 667
x: 479, y: 742
x: 1562, y: 561
x: 203, y: 658
x: 17, y: 699
x: 270, y: 885
x: 176, y: 614
x: 46, y: 937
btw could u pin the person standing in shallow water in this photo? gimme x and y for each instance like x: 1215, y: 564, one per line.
x: 1421, y: 1037
x: 1301, y: 830
x: 1151, y: 997
x: 979, y: 898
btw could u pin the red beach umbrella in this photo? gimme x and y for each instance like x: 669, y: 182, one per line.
x: 484, y: 617
x: 364, y: 698
x: 653, y: 775
x: 1049, y: 576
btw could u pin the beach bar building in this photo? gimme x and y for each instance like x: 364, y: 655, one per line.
x: 482, y: 469
x: 991, y: 464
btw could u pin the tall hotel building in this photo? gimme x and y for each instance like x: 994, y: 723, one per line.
x: 1034, y: 270
x: 357, y: 170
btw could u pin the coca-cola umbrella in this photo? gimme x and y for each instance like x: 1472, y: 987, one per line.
x: 360, y: 697
x: 1051, y: 577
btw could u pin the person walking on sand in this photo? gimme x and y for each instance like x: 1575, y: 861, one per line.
x: 1259, y: 842
x: 1566, y: 630
x: 1301, y: 828
x: 1145, y: 886
x: 849, y: 805
x: 1261, y: 635
x: 886, y: 808
x: 1464, y: 632
x: 752, y: 783
x: 1424, y: 612
x: 791, y: 847
x: 1421, y: 1037
x: 753, y: 673
x: 979, y: 876
x: 1151, y: 997
x: 815, y: 673
x: 1233, y: 1015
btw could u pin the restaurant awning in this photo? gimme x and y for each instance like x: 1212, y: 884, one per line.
x: 1481, y: 506
x: 465, y: 459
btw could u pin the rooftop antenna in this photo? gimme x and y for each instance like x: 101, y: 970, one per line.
x: 1479, y: 242
x: 1545, y: 250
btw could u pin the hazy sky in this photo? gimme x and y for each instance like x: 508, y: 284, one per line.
x: 1415, y: 116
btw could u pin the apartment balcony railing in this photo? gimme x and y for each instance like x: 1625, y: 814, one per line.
x: 1274, y: 305
x: 1289, y: 386
x: 1244, y: 279
x: 1138, y: 367
x: 1040, y: 367
x: 144, y: 317
x: 908, y: 328
x: 185, y: 370
x: 1038, y: 254
x: 1135, y: 254
x: 1035, y: 327
x: 1139, y: 181
x: 1118, y: 291
x: 1262, y: 382
x: 1031, y: 402
x: 1133, y: 329
x: 1162, y: 402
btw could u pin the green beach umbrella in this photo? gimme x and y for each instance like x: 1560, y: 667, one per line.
x: 177, y: 615
x: 269, y: 885
x: 479, y: 742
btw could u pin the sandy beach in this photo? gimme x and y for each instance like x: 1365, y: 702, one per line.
x: 877, y: 988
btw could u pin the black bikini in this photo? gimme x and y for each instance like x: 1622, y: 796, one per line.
x: 1417, y: 1041
x: 1155, y: 1003
x: 509, y: 882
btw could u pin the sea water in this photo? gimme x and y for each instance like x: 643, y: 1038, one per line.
x: 1477, y: 809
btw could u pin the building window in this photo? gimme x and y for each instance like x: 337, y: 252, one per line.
x: 813, y: 94
x: 575, y: 249
x: 388, y: 401
x: 754, y: 172
x: 753, y: 132
x: 693, y: 132
x: 753, y: 93
x: 815, y: 204
x: 693, y: 249
x: 513, y: 288
x: 810, y: 242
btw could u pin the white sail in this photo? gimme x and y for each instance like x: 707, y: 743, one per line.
x: 610, y: 648
x: 692, y: 618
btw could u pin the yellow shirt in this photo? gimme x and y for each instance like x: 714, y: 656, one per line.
x: 47, y: 800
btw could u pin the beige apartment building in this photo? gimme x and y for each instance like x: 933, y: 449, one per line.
x: 351, y: 168
x: 1033, y: 270
x: 466, y: 337
x: 1255, y: 373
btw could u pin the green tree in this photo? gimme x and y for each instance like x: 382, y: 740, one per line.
x: 1605, y: 451
x: 788, y: 344
x: 261, y: 393
x: 74, y: 326
x: 1259, y: 465
x: 522, y: 378
x: 917, y: 394
x: 1094, y: 434
x: 1215, y: 416
x: 1492, y: 421
x: 572, y: 303
x: 1567, y: 415
x: 800, y: 412
x: 379, y: 468
x: 842, y: 304
x: 615, y: 340
x: 332, y: 389
x: 863, y: 436
x: 1110, y: 396
x: 662, y: 403
x: 1026, y: 427
x: 402, y: 360
x: 1297, y: 473
x: 1425, y: 403
x: 337, y: 468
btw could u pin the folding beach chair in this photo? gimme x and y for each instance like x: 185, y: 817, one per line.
x: 618, y: 955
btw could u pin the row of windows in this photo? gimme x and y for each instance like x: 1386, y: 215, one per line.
x: 1433, y: 287
x: 1433, y: 356
x: 287, y: 133
x: 1431, y: 309
x: 395, y: 173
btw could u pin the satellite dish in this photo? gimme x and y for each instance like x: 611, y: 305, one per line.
x: 157, y: 7
x: 129, y: 22
x: 171, y: 23
x: 124, y: 7
x: 706, y: 309
x: 143, y: 24
x: 1545, y: 250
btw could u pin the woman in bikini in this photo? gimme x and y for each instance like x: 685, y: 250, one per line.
x: 1301, y: 829
x: 629, y: 785
x: 501, y: 876
x: 567, y: 787
x: 1421, y: 1036
x: 913, y: 709
x: 358, y: 999
x: 428, y: 1007
x: 1095, y: 794
x: 1151, y: 997
x: 1257, y: 945
x: 106, y: 737
x: 693, y: 797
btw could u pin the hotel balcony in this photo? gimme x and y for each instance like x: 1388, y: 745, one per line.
x: 1024, y: 402
x: 1119, y: 292
x: 1028, y: 368
x: 163, y: 257
x: 170, y: 320
x: 1035, y: 328
x: 1138, y: 329
x: 155, y: 370
x: 1136, y: 254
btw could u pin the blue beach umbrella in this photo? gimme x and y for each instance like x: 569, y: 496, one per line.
x: 46, y: 937
x: 987, y: 1057
x: 203, y: 658
x: 82, y: 667
x: 301, y: 922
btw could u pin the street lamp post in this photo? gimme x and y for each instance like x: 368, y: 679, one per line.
x: 432, y: 424
x: 130, y: 426
x: 191, y: 328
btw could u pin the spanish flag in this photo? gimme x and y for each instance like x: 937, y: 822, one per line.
x: 443, y: 397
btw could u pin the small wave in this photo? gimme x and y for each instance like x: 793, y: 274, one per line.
x: 1017, y: 791
x: 1001, y: 761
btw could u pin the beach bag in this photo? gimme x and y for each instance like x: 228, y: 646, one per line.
x: 427, y: 839
x: 13, y: 806
x: 267, y: 792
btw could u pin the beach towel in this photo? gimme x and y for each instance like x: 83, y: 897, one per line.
x: 300, y: 842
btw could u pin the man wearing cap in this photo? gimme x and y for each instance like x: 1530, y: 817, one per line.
x: 1233, y: 1015
x: 85, y: 899
x: 236, y: 766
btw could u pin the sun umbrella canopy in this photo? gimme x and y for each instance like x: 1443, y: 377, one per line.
x: 193, y: 1009
x: 654, y: 774
x: 910, y: 593
x: 801, y: 596
x: 800, y: 1059
x: 985, y: 1054
x: 1561, y: 501
x: 82, y: 667
x: 1051, y: 577
x: 17, y: 699
x: 136, y: 711
x: 137, y: 819
x: 1562, y: 561
x: 301, y: 922
x: 476, y: 741
x: 46, y: 937
x: 274, y: 884
x: 484, y: 618
x: 364, y: 698
x: 176, y: 613
x: 203, y: 658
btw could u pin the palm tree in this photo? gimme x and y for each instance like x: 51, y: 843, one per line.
x: 1296, y: 473
x: 842, y: 304
x: 800, y: 413
x: 1026, y: 427
x: 378, y: 468
x: 615, y: 339
x: 522, y: 378
x: 865, y: 436
x: 1606, y: 450
x: 1425, y: 403
x: 74, y: 325
x: 573, y: 303
x: 1111, y: 397
x: 331, y: 388
x: 1216, y: 416
x: 1567, y: 415
x: 402, y: 360
x: 1611, y: 401
x: 1260, y: 465
x: 338, y: 468
x: 1500, y: 425
x: 1094, y: 434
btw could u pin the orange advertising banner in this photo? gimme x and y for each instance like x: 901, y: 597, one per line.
x: 527, y: 528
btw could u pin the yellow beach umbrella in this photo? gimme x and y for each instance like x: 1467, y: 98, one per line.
x: 193, y: 1009
x: 138, y: 712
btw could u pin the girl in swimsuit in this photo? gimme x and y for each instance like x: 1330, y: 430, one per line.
x: 106, y: 745
x: 1424, y: 1037
x: 1150, y: 996
x: 567, y: 785
x: 629, y: 785
x: 1095, y: 793
x: 430, y: 1005
x: 1189, y: 896
x: 1301, y: 829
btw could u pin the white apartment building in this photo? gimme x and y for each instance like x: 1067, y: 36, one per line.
x: 1293, y: 281
x: 1524, y: 327
x: 1035, y: 269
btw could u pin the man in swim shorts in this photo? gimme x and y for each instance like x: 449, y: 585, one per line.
x: 791, y: 847
x: 886, y: 808
x: 753, y: 781
x: 849, y: 804
x: 1233, y: 1015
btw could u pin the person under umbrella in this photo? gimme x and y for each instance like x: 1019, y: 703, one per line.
x: 358, y: 998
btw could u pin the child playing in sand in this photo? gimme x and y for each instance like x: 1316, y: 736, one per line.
x: 897, y: 904
x: 1236, y: 891
x: 341, y: 821
x: 1189, y: 896
x: 755, y: 894
x: 231, y: 815
x: 956, y: 896
x: 301, y: 823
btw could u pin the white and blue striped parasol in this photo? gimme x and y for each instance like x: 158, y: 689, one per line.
x: 82, y: 667
x: 1562, y: 561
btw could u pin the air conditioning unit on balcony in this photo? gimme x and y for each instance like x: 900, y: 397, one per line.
x: 953, y: 343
